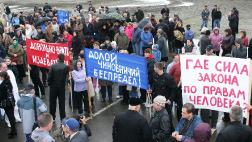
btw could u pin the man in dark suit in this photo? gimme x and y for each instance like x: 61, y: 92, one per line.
x: 57, y: 81
x: 235, y: 131
x: 130, y: 126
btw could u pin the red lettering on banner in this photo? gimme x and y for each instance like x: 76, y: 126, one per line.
x: 217, y: 67
x: 230, y: 67
x: 219, y: 78
x: 187, y: 63
x: 213, y: 101
x: 192, y: 99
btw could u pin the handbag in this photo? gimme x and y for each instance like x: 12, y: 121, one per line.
x: 35, y: 125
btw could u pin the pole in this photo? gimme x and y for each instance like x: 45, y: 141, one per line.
x: 90, y: 91
x: 70, y: 89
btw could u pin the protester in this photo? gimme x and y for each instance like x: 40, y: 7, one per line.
x: 27, y: 105
x: 146, y: 39
x: 201, y: 133
x: 159, y: 122
x: 187, y: 124
x: 136, y: 39
x: 216, y: 40
x: 71, y: 130
x: 41, y: 133
x: 188, y: 48
x: 189, y: 34
x: 233, y: 19
x: 179, y: 37
x: 175, y: 72
x: 4, y: 68
x: 243, y: 36
x: 150, y: 66
x: 239, y: 50
x: 121, y: 39
x: 227, y: 42
x: 80, y: 88
x: 205, y: 17
x: 57, y: 86
x: 164, y: 85
x: 214, y: 16
x: 16, y: 53
x: 204, y: 42
x: 139, y: 14
x: 235, y: 131
x: 162, y: 45
x: 7, y: 101
x: 130, y: 126
x: 35, y: 77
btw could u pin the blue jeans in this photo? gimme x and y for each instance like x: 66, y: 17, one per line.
x: 204, y: 23
x: 28, y: 138
x: 216, y: 23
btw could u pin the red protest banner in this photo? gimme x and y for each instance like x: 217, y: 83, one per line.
x: 45, y: 54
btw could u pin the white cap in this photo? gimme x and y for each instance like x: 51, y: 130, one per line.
x: 161, y: 100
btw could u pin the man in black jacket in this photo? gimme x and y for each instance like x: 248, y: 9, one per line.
x: 160, y: 122
x: 130, y: 126
x: 164, y: 85
x: 235, y: 131
x: 57, y: 81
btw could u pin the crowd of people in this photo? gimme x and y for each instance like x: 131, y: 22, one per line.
x: 137, y: 34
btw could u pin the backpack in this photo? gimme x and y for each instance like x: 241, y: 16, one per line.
x: 156, y: 53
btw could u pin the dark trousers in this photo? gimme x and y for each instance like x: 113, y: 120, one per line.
x: 207, y: 118
x: 21, y: 72
x: 125, y: 93
x: 104, y: 90
x: 143, y: 94
x: 178, y: 100
x: 9, y: 111
x: 57, y: 92
x: 38, y: 85
x: 79, y: 98
x: 28, y: 138
x: 44, y: 74
x: 169, y: 110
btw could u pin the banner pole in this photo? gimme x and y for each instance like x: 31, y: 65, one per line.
x: 70, y: 89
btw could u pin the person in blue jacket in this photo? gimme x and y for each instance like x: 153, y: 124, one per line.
x: 146, y: 39
x: 187, y: 123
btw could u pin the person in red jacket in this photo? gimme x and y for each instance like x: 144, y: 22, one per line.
x: 175, y: 72
x: 243, y: 36
x: 69, y: 38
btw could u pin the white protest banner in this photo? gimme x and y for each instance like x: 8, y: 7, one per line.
x: 216, y: 83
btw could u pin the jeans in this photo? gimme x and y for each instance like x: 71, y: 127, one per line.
x: 216, y: 23
x: 204, y: 23
x: 28, y: 138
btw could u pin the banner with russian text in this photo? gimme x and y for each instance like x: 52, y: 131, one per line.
x: 45, y: 54
x: 63, y: 16
x: 216, y: 83
x: 117, y: 67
